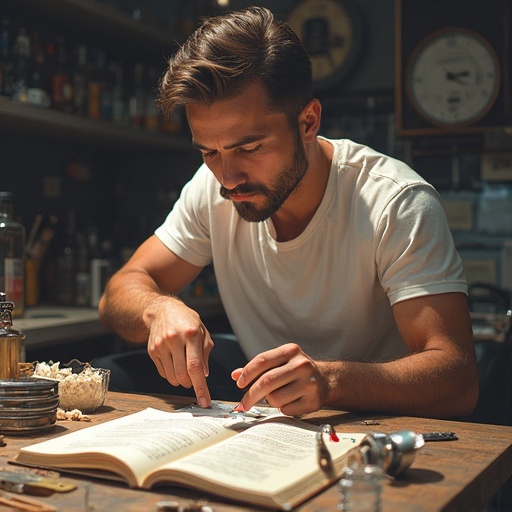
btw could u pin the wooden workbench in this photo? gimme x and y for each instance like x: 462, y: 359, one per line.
x: 453, y: 476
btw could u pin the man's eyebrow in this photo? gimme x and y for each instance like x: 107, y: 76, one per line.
x: 249, y: 139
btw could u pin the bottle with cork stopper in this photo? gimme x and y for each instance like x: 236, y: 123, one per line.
x: 10, y: 341
x: 12, y: 254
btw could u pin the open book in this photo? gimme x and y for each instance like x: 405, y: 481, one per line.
x: 272, y: 463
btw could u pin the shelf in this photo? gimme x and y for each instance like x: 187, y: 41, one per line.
x: 45, y: 326
x: 27, y: 119
x: 89, y: 21
x: 51, y: 326
x: 99, y: 22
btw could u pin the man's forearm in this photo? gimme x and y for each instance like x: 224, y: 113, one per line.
x: 127, y: 296
x: 416, y: 385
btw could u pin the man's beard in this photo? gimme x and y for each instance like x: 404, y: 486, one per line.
x: 283, y: 185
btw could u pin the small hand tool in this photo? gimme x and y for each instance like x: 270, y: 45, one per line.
x: 29, y: 483
x: 25, y: 504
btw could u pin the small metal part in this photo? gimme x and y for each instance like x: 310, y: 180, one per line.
x: 440, y: 436
x: 176, y: 506
x: 168, y: 506
x: 323, y: 454
x: 394, y: 453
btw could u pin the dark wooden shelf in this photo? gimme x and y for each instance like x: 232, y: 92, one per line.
x: 47, y: 123
x: 99, y: 22
x: 93, y: 23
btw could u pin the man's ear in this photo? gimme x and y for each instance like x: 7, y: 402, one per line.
x: 309, y: 120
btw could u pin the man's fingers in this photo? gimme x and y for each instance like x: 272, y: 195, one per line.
x: 284, y: 377
x: 196, y: 372
x: 261, y: 364
x: 261, y: 375
x: 176, y: 368
x: 159, y: 362
x: 197, y: 366
x: 270, y: 382
x: 207, y: 348
x: 235, y: 374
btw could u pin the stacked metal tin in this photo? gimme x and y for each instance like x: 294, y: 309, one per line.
x: 28, y: 405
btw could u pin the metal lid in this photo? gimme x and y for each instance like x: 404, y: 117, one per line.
x: 30, y: 386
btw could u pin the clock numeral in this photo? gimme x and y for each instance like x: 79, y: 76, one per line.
x: 451, y: 41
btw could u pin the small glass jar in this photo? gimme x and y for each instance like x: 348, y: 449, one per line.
x: 360, y: 489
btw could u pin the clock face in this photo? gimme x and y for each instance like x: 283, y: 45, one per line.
x: 331, y: 31
x: 453, y: 77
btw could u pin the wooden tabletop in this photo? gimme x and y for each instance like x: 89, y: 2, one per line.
x: 445, y: 476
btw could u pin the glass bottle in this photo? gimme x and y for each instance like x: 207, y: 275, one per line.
x: 107, y: 92
x: 137, y: 96
x: 151, y: 112
x: 95, y: 84
x: 67, y: 265
x: 62, y: 86
x: 118, y: 94
x: 12, y: 249
x: 83, y: 275
x: 80, y: 83
x: 6, y: 64
x: 98, y: 267
x: 21, y: 60
x: 360, y: 489
x: 38, y: 91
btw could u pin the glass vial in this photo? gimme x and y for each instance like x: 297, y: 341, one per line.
x: 360, y: 489
x: 12, y: 248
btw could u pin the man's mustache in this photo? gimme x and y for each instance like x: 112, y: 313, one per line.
x: 226, y: 193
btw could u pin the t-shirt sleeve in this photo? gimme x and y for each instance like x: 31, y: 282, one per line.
x: 185, y: 231
x: 415, y: 252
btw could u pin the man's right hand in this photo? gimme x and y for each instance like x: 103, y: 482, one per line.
x: 140, y: 304
x: 179, y: 344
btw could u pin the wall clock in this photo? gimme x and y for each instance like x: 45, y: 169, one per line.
x: 332, y: 33
x: 451, y: 75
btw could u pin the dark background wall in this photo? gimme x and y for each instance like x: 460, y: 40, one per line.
x: 124, y: 190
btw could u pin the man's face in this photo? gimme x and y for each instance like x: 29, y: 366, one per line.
x: 256, y: 156
x: 284, y: 183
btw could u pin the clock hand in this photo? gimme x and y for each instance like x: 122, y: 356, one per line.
x: 456, y: 77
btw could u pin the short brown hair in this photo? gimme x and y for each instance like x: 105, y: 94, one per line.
x: 228, y: 51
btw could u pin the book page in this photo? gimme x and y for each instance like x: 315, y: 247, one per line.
x: 137, y: 443
x: 263, y: 459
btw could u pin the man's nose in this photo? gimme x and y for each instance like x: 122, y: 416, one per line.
x: 231, y: 176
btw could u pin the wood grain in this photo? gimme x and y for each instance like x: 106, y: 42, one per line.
x: 445, y: 476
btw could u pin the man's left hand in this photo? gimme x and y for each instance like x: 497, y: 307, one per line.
x: 286, y: 378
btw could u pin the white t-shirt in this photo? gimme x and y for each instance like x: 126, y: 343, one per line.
x: 379, y: 236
